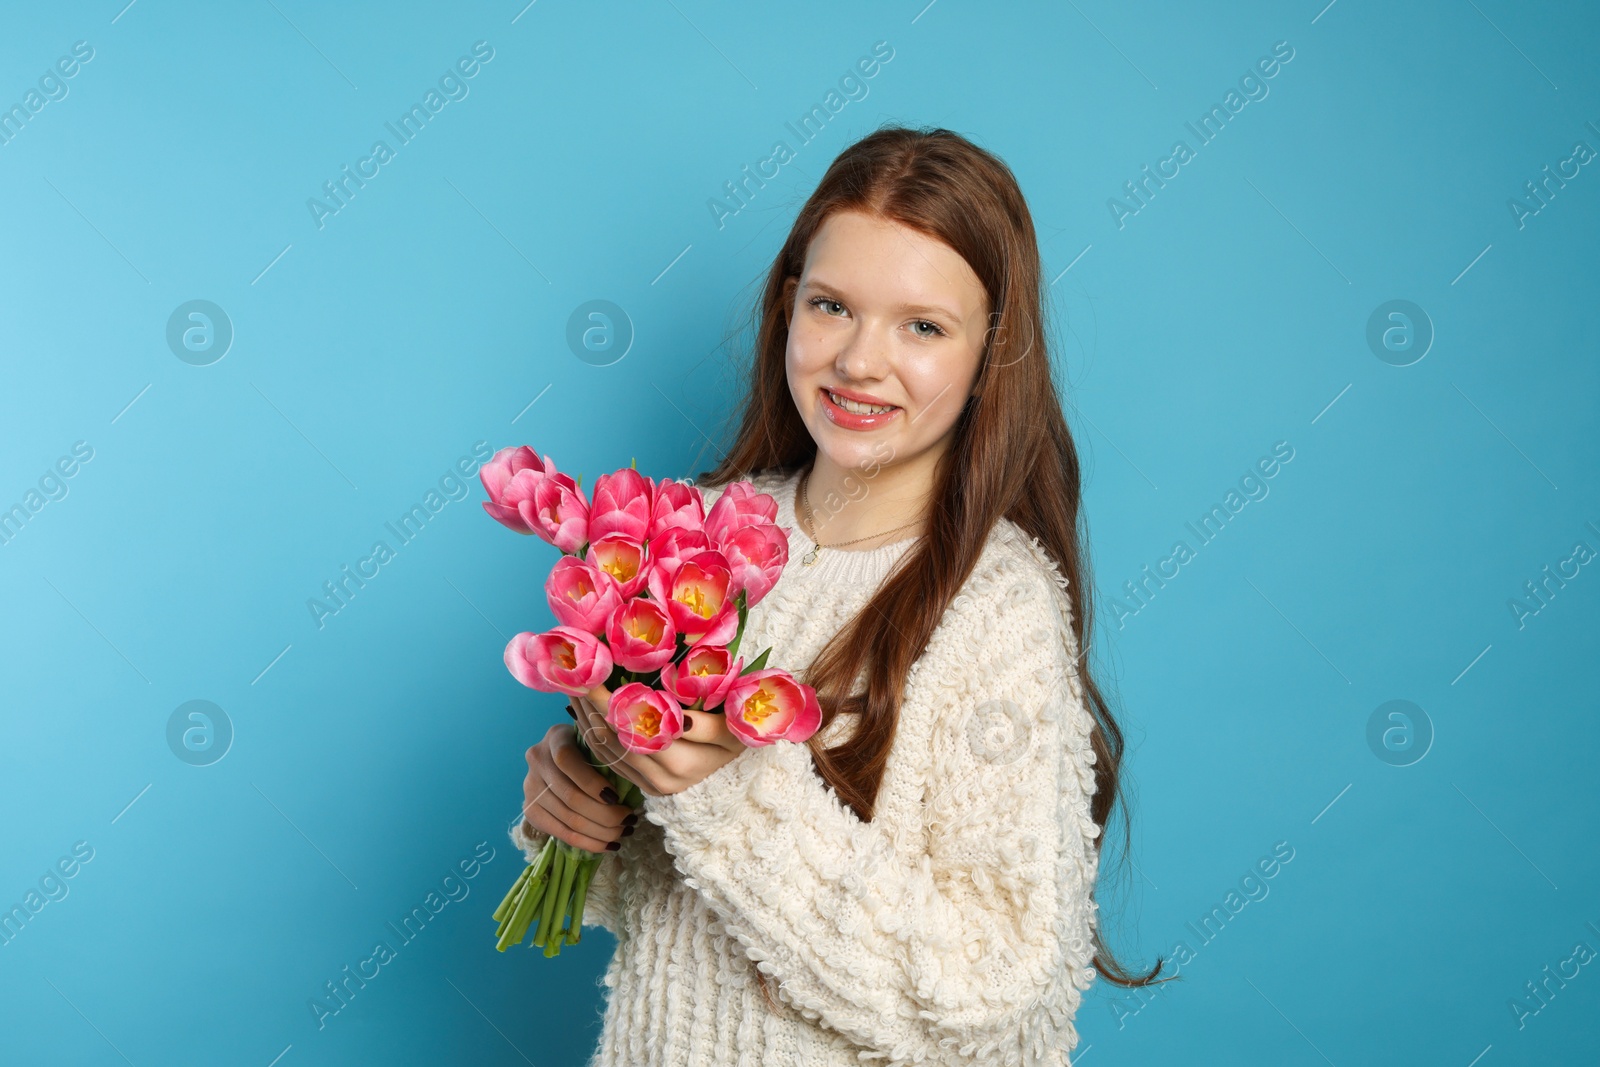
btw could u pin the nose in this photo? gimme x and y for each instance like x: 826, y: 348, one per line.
x: 863, y: 357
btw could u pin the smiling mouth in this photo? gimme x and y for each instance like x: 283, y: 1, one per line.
x: 855, y: 407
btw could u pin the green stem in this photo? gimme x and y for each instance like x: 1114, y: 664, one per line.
x: 580, y: 894
x: 546, y: 918
x: 505, y: 921
x: 542, y: 862
x: 552, y: 943
x: 555, y: 887
x: 511, y: 898
x: 516, y: 924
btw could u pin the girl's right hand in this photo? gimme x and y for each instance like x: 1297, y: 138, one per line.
x: 568, y: 799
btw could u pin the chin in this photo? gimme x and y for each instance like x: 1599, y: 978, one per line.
x: 858, y: 454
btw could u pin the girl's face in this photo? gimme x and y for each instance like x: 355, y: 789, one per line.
x: 888, y: 316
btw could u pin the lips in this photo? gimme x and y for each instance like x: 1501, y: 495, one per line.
x: 860, y: 398
x: 851, y: 420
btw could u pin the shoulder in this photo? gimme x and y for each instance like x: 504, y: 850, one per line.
x: 1004, y: 667
x: 1006, y: 638
x: 1016, y: 587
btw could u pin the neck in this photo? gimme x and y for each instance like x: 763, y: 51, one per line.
x: 849, y: 503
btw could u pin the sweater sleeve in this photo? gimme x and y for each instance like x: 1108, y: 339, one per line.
x: 978, y: 943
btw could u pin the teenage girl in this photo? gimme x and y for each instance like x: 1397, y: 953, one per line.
x: 915, y: 884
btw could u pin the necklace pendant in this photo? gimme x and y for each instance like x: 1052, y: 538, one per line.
x: 810, y: 557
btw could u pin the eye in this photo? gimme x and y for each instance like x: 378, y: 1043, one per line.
x: 818, y: 301
x: 937, y: 331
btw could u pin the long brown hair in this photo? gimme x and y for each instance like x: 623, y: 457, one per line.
x: 1011, y: 454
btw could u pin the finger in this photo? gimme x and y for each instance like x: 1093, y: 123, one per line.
x: 542, y: 820
x: 635, y: 775
x: 607, y: 748
x: 591, y: 787
x: 562, y: 810
x: 592, y: 730
x: 642, y: 769
x: 561, y: 796
x: 710, y: 728
x: 599, y: 736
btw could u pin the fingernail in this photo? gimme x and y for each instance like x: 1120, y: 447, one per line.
x: 571, y: 712
x: 688, y: 723
x: 612, y: 846
x: 608, y: 795
x: 631, y: 819
x: 626, y: 830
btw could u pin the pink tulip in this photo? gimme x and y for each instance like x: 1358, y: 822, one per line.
x: 676, y: 544
x: 757, y: 554
x: 624, y: 560
x: 645, y: 719
x: 507, y: 492
x: 641, y: 636
x: 560, y: 513
x: 621, y: 504
x: 582, y: 595
x: 769, y: 705
x: 700, y: 594
x: 677, y: 505
x: 563, y: 660
x: 739, y: 505
x: 701, y: 679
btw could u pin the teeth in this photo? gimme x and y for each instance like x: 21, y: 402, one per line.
x: 857, y: 407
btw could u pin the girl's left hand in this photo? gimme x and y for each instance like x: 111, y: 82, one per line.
x: 705, y: 746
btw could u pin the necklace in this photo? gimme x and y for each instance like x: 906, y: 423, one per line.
x: 811, y: 557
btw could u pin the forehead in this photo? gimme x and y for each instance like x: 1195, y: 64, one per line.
x: 880, y: 261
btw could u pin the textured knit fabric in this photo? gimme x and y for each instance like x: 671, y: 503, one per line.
x: 955, y: 927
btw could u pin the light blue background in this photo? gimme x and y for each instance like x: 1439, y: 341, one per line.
x: 427, y: 315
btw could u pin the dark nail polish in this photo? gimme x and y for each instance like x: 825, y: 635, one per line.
x: 612, y: 846
x: 688, y: 723
x: 572, y: 713
x: 608, y: 795
x: 631, y: 819
x: 626, y: 830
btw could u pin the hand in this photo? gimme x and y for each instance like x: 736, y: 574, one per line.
x: 706, y: 746
x: 561, y: 795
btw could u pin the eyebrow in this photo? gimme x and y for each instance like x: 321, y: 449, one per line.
x: 922, y: 309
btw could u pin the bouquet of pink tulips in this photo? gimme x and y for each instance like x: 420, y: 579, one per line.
x: 650, y: 595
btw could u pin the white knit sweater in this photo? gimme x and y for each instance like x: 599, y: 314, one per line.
x: 956, y: 927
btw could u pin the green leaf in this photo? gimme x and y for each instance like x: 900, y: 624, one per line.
x: 744, y: 613
x: 757, y: 663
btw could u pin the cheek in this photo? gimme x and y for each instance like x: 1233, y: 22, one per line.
x: 940, y: 387
x: 806, y: 359
x: 794, y: 370
x: 806, y: 350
